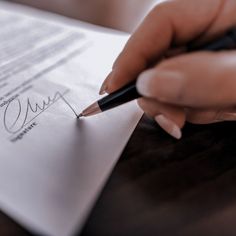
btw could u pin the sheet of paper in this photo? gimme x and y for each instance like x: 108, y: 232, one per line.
x: 52, y: 167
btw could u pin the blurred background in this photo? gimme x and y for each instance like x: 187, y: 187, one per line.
x: 124, y: 15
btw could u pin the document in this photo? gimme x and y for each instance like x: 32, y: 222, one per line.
x: 53, y: 166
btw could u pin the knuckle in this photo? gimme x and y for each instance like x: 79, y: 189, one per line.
x: 178, y: 96
x: 162, y: 7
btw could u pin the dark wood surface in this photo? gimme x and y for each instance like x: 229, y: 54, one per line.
x: 166, y: 187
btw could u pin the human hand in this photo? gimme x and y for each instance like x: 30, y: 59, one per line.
x: 197, y: 87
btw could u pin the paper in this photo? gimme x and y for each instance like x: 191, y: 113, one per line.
x: 52, y: 167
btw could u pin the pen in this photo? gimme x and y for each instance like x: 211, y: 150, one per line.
x: 129, y: 92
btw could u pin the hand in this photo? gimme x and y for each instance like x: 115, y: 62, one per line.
x: 197, y: 87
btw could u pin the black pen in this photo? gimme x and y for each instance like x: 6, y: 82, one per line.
x: 130, y: 93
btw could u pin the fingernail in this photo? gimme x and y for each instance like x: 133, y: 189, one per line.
x: 159, y: 83
x: 169, y: 126
x: 103, y: 88
x: 143, y: 82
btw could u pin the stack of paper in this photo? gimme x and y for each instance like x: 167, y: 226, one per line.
x: 52, y: 167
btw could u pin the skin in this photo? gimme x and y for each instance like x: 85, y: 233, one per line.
x: 196, y: 87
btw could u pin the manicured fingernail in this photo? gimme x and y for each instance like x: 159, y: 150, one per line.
x: 169, y: 126
x: 103, y: 88
x: 162, y: 84
x: 143, y: 82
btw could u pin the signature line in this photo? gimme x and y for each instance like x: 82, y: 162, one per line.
x: 58, y: 96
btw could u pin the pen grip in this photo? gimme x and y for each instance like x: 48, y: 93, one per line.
x: 129, y: 92
x: 225, y: 42
x: 123, y: 95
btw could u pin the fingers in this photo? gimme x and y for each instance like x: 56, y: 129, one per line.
x: 227, y: 116
x: 170, y: 118
x: 210, y: 116
x: 201, y: 117
x: 171, y: 22
x: 153, y: 108
x: 198, y: 80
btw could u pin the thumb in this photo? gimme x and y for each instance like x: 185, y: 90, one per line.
x: 197, y: 80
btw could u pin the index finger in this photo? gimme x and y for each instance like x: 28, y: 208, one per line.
x: 172, y: 22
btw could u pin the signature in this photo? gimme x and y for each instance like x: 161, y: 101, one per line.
x: 26, y: 113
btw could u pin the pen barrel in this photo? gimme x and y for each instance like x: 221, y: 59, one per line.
x: 226, y: 42
x: 129, y: 92
x: 123, y: 95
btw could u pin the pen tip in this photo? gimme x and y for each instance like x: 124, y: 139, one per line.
x: 79, y: 116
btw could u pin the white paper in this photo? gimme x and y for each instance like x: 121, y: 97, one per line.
x: 52, y: 167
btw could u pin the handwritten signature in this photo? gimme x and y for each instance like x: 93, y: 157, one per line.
x: 24, y: 114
